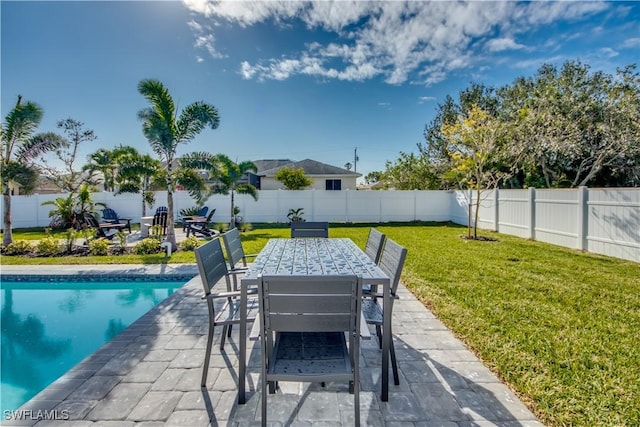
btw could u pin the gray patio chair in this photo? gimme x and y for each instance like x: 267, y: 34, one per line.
x: 391, y: 262
x: 309, y: 229
x: 373, y: 249
x: 309, y: 316
x: 374, y: 245
x: 213, y: 267
x: 235, y: 252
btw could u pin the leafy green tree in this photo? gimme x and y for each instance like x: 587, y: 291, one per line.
x: 410, y: 172
x: 575, y: 127
x: 19, y: 153
x: 166, y: 130
x: 475, y: 149
x: 373, y: 177
x: 293, y: 178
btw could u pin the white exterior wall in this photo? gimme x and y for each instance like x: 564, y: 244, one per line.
x: 319, y: 182
x: 604, y: 221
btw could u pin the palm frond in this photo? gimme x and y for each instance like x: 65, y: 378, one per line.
x: 194, y: 118
x: 38, y: 145
x: 20, y: 123
x: 200, y: 160
x: 247, y: 189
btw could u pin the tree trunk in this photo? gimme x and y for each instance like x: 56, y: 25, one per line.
x: 7, y: 237
x: 232, y: 223
x: 171, y: 232
x: 469, y: 209
x: 475, y: 223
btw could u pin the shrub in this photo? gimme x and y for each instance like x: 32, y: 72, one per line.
x: 49, y: 246
x: 69, y: 237
x: 190, y: 243
x: 221, y: 227
x: 19, y: 247
x: 245, y: 226
x: 147, y: 246
x: 99, y: 247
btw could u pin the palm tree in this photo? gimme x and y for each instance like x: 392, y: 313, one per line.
x: 20, y: 149
x: 229, y: 181
x: 165, y: 130
x: 139, y: 173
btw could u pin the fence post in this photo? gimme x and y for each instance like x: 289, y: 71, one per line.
x: 532, y: 213
x: 496, y: 209
x: 583, y: 221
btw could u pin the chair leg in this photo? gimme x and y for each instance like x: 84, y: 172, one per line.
x: 207, y: 356
x: 223, y: 337
x: 394, y: 363
x: 379, y: 334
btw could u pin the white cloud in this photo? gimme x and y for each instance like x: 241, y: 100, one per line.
x: 501, y: 44
x: 423, y: 99
x: 607, y: 52
x: 400, y: 41
x: 630, y: 43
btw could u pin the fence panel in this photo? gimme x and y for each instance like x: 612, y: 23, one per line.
x: 614, y: 222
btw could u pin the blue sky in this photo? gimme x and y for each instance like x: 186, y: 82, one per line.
x: 293, y: 79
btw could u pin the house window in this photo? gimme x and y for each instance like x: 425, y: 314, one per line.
x: 333, y: 184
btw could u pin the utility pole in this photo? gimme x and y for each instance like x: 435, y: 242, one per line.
x: 355, y: 159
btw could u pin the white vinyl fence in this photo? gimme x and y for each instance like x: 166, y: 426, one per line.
x: 605, y: 221
x: 599, y: 220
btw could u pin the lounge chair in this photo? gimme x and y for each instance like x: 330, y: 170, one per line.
x: 106, y: 229
x: 110, y: 216
x: 201, y: 214
x: 159, y: 219
x: 201, y: 227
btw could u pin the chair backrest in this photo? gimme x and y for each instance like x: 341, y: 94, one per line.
x: 374, y: 245
x: 109, y: 214
x: 211, y: 264
x: 203, y: 211
x: 309, y: 229
x: 310, y: 303
x: 160, y: 218
x: 208, y: 220
x: 91, y: 220
x: 160, y: 209
x: 233, y: 247
x: 392, y: 262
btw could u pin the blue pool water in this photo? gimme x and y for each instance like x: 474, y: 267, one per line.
x: 49, y: 324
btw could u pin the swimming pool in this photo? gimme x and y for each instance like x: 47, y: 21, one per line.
x: 50, y: 323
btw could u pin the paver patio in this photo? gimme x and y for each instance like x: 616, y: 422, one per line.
x: 149, y: 375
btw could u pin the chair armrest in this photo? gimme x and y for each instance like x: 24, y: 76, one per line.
x: 254, y: 335
x: 379, y: 295
x: 222, y: 295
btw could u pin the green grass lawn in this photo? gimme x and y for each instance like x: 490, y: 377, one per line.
x: 561, y: 327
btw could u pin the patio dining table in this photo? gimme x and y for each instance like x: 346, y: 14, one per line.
x: 322, y: 256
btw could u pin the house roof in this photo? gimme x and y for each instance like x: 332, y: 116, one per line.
x: 310, y: 168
